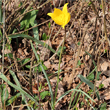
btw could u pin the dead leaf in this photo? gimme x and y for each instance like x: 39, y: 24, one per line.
x: 20, y: 53
x: 104, y: 66
x: 47, y: 64
x: 44, y: 52
x: 106, y: 82
x: 107, y: 73
x: 6, y: 51
x: 46, y: 105
x: 107, y: 95
x: 25, y: 51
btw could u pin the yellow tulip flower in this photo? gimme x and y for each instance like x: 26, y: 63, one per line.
x: 60, y: 17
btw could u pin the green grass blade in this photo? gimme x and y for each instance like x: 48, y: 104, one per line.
x: 12, y: 99
x: 91, y: 85
x: 88, y: 77
x: 79, y: 85
x: 1, y: 11
x: 33, y: 39
x: 15, y: 78
x: 35, y: 31
x: 18, y: 84
x: 91, y: 58
x: 77, y: 90
x: 17, y: 87
x: 50, y: 88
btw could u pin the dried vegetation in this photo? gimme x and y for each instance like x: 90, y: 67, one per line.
x: 86, y: 54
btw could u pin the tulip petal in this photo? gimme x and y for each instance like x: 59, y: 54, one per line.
x: 60, y: 17
x: 57, y: 12
x: 50, y: 14
x: 67, y: 18
x: 65, y: 8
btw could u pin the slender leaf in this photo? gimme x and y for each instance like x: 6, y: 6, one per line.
x: 15, y: 78
x: 4, y: 93
x: 90, y: 84
x: 16, y: 87
x: 45, y: 74
x: 35, y: 31
x: 18, y: 84
x: 33, y: 39
x: 79, y: 85
x: 91, y: 58
x: 77, y: 90
x: 1, y: 11
x: 12, y: 99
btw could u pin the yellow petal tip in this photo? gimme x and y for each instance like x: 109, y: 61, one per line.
x: 49, y: 14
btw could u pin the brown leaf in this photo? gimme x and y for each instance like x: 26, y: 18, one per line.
x: 106, y: 83
x: 47, y: 64
x: 107, y: 95
x: 44, y: 52
x: 104, y: 66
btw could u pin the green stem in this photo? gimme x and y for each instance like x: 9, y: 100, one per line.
x: 59, y: 69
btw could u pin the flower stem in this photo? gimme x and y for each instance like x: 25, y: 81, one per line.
x: 59, y: 68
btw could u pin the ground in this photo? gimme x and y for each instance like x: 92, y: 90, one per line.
x: 84, y: 69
